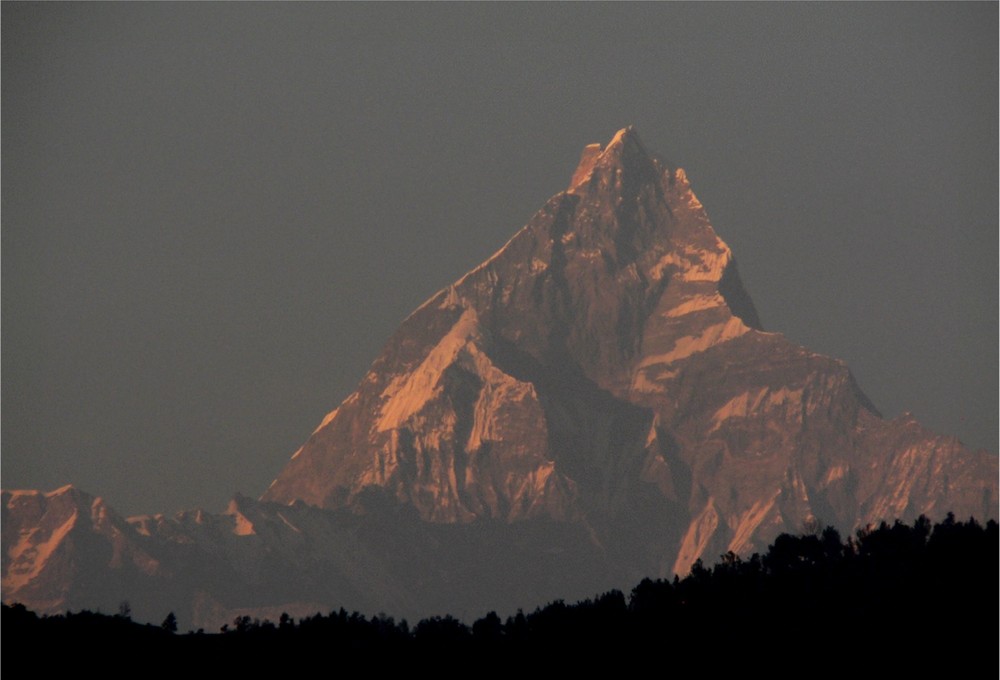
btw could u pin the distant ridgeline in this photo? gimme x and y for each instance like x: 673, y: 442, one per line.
x: 898, y: 597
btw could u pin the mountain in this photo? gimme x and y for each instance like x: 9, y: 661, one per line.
x: 607, y: 367
x: 596, y: 403
x: 66, y: 551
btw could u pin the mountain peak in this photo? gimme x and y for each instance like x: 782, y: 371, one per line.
x: 607, y: 352
x: 624, y: 149
x: 627, y: 135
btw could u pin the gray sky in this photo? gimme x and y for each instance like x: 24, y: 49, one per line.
x: 213, y: 215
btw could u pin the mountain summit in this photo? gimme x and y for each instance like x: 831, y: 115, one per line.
x: 607, y: 367
x: 594, y: 404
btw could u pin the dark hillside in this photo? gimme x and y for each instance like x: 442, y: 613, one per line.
x: 893, y: 598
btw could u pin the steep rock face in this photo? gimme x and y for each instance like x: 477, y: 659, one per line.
x: 606, y: 366
x: 58, y: 547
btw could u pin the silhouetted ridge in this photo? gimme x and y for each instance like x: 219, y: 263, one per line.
x: 806, y: 598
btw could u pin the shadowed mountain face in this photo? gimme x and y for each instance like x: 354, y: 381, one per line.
x: 594, y: 404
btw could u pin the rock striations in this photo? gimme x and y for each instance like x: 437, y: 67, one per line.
x: 595, y: 403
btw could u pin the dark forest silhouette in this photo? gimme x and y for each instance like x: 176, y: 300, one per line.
x: 893, y: 598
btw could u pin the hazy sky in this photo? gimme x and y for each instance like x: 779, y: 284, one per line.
x: 213, y: 215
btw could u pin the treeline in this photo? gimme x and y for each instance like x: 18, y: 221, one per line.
x: 895, y: 598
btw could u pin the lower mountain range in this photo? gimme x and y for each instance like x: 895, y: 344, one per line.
x: 594, y: 404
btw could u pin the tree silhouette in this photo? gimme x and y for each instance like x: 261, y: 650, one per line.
x: 810, y: 593
x: 170, y: 623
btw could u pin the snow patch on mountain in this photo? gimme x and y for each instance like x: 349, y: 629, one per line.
x: 499, y: 390
x: 31, y: 553
x: 697, y: 303
x: 408, y: 393
x: 699, y: 533
x: 747, y: 404
x: 693, y: 344
x: 588, y: 158
x: 746, y: 524
x: 691, y: 201
x: 695, y: 264
x: 326, y: 421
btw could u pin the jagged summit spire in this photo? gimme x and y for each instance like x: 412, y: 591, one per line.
x: 625, y: 136
x: 624, y: 151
